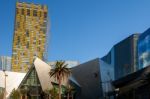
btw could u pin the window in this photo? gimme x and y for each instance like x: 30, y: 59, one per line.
x: 38, y: 49
x: 27, y: 46
x: 34, y: 13
x: 28, y: 12
x: 34, y: 42
x: 40, y: 13
x: 45, y: 14
x: 18, y: 39
x: 27, y: 33
x: 22, y: 11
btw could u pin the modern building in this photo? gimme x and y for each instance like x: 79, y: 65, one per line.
x: 36, y: 81
x: 94, y: 79
x: 144, y: 49
x: 5, y: 63
x: 69, y: 63
x: 30, y: 33
x: 123, y: 56
x: 94, y: 74
x: 134, y: 86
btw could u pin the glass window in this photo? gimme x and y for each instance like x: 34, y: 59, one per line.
x: 27, y: 46
x: 45, y: 14
x: 27, y: 33
x: 34, y: 12
x: 22, y: 11
x: 18, y: 39
x: 28, y: 12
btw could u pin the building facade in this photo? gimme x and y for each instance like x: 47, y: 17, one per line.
x: 94, y: 74
x: 134, y: 86
x: 30, y: 35
x: 123, y: 56
x: 144, y: 49
x: 94, y: 78
x: 5, y: 63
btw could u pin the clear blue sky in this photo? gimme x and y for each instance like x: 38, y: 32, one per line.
x: 81, y: 29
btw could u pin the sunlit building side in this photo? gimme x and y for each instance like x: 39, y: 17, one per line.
x: 30, y: 35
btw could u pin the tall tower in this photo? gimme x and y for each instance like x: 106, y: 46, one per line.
x: 29, y: 35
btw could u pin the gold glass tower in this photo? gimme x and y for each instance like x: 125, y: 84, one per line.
x: 29, y: 35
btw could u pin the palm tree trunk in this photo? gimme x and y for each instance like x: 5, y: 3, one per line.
x: 21, y: 96
x: 72, y: 96
x: 60, y: 88
x: 68, y: 95
x: 49, y: 96
x: 26, y: 97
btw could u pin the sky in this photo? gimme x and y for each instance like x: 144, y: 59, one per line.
x: 81, y: 30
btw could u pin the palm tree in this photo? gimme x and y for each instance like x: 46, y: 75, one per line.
x: 51, y: 93
x: 54, y: 93
x: 23, y: 92
x: 47, y: 94
x: 70, y: 91
x: 60, y: 72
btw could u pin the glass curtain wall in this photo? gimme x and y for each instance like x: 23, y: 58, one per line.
x: 144, y: 51
x: 31, y: 86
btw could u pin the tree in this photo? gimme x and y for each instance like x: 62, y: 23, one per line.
x: 23, y: 92
x: 51, y: 93
x: 47, y: 94
x: 54, y: 93
x: 60, y: 72
x: 70, y: 91
x: 15, y: 94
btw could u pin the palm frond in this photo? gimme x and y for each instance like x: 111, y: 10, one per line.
x: 60, y: 71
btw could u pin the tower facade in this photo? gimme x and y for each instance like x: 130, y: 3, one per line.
x: 29, y: 35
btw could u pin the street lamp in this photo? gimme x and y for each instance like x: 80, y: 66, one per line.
x: 5, y: 84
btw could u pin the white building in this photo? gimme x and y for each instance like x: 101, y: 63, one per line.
x: 5, y: 63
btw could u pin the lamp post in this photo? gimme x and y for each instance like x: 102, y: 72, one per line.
x: 5, y: 84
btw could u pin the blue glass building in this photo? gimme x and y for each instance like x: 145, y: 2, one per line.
x: 123, y: 56
x: 144, y: 49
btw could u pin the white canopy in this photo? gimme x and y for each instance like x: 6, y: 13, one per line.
x: 12, y: 80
